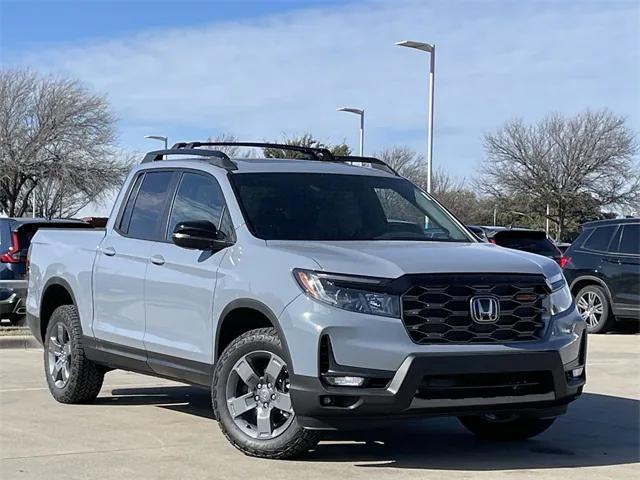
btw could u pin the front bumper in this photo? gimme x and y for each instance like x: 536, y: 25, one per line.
x: 413, y: 390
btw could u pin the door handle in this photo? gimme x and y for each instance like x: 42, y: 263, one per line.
x: 157, y: 260
x: 109, y: 251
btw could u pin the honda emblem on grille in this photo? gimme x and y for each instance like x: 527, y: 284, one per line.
x: 485, y: 309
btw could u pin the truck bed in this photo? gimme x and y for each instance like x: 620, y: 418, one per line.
x: 67, y: 255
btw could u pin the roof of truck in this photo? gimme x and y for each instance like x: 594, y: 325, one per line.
x: 279, y: 165
x: 315, y: 159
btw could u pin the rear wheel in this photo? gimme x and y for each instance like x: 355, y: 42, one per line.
x: 251, y: 398
x: 506, y: 427
x: 593, y: 305
x: 71, y: 377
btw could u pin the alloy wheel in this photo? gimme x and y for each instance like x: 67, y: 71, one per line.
x: 257, y: 395
x: 591, y: 308
x: 59, y: 352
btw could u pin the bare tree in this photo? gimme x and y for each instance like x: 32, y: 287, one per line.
x: 306, y: 140
x: 454, y: 193
x: 56, y: 135
x: 572, y: 164
x: 231, y: 150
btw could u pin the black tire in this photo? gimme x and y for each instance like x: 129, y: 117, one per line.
x: 506, y: 428
x: 85, y: 378
x: 606, y: 319
x: 294, y: 440
x: 17, y: 320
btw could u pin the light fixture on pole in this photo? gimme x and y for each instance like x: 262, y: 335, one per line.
x: 158, y: 137
x: 360, y: 112
x: 429, y: 48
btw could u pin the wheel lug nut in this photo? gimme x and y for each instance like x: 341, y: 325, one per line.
x: 273, y: 396
x: 265, y: 405
x: 268, y: 385
x: 259, y: 385
x: 256, y: 398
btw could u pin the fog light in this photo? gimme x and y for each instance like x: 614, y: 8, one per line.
x: 577, y: 372
x: 345, y: 381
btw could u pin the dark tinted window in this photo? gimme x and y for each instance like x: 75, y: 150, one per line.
x: 128, y: 209
x: 199, y: 198
x: 599, y: 239
x: 147, y: 215
x: 311, y: 206
x: 541, y: 246
x: 5, y: 234
x: 630, y: 241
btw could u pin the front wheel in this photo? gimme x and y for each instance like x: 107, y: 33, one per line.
x: 251, y: 400
x: 506, y: 427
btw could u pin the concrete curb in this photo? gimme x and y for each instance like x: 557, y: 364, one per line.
x: 18, y: 342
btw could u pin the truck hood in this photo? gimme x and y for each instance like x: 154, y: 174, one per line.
x: 392, y: 259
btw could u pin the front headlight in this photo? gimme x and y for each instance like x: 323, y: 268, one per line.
x: 348, y: 293
x: 561, y: 298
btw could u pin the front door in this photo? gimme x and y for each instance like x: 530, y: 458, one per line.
x: 180, y: 283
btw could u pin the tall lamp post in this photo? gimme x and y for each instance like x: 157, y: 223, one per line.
x: 429, y: 48
x: 160, y: 138
x: 360, y: 112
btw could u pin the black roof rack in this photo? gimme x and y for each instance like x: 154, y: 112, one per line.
x: 316, y: 153
x: 320, y: 154
x: 374, y: 162
x: 216, y: 157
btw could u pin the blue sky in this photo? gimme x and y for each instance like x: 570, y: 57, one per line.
x: 261, y: 69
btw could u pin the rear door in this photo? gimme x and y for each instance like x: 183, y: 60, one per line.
x: 180, y: 282
x: 121, y: 265
x: 625, y: 281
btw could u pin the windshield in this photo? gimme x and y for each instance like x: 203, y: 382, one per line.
x: 313, y: 206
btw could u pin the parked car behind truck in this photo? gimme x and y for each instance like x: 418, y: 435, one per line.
x: 602, y: 267
x: 15, y: 238
x: 307, y: 294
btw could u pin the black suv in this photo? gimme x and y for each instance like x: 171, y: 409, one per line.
x: 533, y: 241
x: 15, y: 238
x: 13, y: 283
x: 602, y: 267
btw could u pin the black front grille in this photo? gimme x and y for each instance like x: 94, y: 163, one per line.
x: 486, y: 385
x: 437, y: 309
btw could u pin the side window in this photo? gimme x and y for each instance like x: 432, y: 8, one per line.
x: 630, y: 241
x: 147, y: 215
x: 123, y: 226
x: 199, y: 197
x: 599, y: 239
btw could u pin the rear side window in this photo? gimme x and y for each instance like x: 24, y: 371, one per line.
x: 600, y: 238
x: 148, y: 211
x: 630, y: 241
x: 5, y: 234
x: 541, y: 246
x: 128, y: 209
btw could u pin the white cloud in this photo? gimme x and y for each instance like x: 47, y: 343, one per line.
x: 288, y: 72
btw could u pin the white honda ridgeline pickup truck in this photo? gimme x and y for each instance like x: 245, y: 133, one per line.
x: 308, y: 294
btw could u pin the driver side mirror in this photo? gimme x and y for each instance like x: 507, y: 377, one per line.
x: 199, y: 235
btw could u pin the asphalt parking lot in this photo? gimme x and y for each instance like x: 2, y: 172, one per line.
x: 143, y: 428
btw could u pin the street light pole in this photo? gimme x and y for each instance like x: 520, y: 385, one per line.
x: 160, y: 138
x: 429, y: 48
x: 357, y: 111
